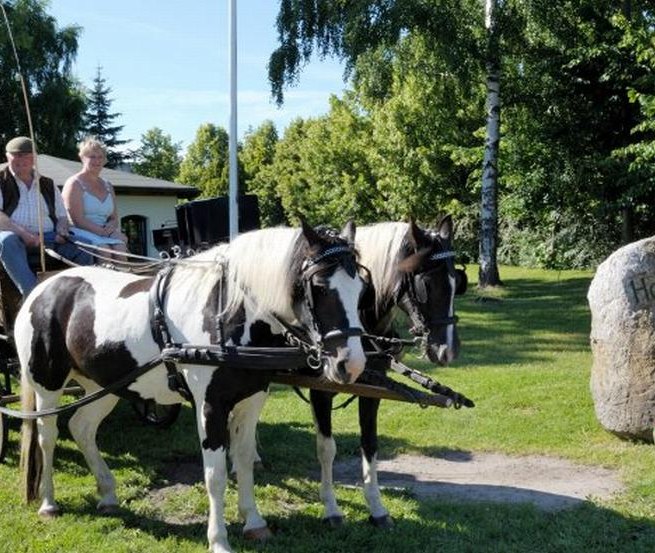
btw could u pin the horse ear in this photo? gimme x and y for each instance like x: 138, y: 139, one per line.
x: 416, y: 236
x: 445, y: 228
x: 348, y: 232
x: 413, y: 262
x: 309, y: 233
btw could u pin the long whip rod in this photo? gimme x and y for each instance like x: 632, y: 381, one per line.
x: 37, y: 176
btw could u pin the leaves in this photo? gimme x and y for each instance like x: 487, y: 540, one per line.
x: 46, y: 53
x: 206, y: 163
x: 158, y: 156
x: 98, y: 120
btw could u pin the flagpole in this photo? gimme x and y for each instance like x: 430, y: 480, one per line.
x: 233, y: 166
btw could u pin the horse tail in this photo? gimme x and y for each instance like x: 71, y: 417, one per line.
x: 31, y: 460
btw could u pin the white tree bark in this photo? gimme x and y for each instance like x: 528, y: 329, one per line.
x: 488, y: 274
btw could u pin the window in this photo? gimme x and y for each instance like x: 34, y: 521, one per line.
x: 134, y: 227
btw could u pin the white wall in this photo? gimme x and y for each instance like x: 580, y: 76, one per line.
x: 158, y: 210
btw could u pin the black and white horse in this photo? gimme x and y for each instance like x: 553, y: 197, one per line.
x: 94, y: 326
x: 412, y: 269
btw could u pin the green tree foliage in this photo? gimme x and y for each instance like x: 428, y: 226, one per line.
x: 401, y: 143
x: 257, y: 156
x: 98, y: 120
x: 46, y: 53
x: 423, y: 152
x: 157, y: 156
x: 349, y: 30
x: 575, y: 165
x: 322, y: 169
x: 452, y: 32
x: 567, y: 112
x: 640, y: 154
x: 206, y: 164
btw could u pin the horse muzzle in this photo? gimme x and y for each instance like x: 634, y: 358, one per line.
x: 345, y: 363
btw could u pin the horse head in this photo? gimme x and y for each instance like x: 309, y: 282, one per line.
x: 328, y: 293
x: 431, y: 284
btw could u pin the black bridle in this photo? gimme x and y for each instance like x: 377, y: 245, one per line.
x: 416, y: 293
x: 336, y: 255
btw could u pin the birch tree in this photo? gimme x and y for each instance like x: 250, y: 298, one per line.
x: 488, y: 272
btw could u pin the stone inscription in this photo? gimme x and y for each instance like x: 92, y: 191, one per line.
x: 641, y: 289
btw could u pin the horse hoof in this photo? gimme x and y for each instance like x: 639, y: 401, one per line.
x: 383, y: 522
x: 258, y: 534
x: 334, y: 521
x: 107, y: 509
x: 49, y: 512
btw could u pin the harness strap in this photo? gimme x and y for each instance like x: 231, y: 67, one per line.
x: 161, y: 334
x: 110, y: 389
x: 342, y: 405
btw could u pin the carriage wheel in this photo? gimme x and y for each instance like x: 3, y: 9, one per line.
x: 154, y: 414
x: 4, y: 435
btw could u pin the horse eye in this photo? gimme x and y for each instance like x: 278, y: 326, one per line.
x: 321, y: 285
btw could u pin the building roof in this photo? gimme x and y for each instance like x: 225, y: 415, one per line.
x: 124, y: 183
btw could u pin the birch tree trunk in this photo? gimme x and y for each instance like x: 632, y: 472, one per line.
x: 488, y: 274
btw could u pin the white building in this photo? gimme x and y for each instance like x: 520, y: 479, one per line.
x: 144, y: 204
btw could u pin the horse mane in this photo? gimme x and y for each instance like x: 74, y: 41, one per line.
x: 380, y: 246
x: 196, y: 276
x: 262, y: 269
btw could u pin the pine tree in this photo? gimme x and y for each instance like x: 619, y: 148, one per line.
x: 98, y: 120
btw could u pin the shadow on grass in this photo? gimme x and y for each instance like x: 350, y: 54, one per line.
x: 531, y: 320
x: 172, y: 457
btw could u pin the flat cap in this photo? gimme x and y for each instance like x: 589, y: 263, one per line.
x: 19, y: 145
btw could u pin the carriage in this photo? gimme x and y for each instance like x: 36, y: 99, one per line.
x: 321, y: 351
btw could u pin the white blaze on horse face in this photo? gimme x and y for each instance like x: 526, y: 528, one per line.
x: 349, y: 289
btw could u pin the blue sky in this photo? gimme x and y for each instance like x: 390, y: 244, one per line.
x: 166, y: 62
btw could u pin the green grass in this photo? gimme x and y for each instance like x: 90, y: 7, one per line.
x: 525, y: 361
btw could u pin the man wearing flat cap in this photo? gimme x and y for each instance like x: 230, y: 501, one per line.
x: 19, y: 216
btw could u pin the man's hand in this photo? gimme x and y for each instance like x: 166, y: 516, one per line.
x: 31, y: 240
x: 62, y: 231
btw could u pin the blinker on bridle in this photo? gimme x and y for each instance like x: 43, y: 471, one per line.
x: 418, y: 295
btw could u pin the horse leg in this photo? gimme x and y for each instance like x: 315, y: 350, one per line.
x: 47, y: 437
x: 368, y: 424
x: 326, y: 450
x: 243, y: 426
x: 83, y: 426
x: 213, y: 433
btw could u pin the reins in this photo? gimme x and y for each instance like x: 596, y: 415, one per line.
x: 109, y: 389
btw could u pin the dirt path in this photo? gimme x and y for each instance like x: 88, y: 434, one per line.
x: 549, y: 483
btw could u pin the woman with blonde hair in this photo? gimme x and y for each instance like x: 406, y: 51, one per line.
x: 91, y: 201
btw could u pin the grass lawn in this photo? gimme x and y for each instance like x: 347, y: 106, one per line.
x: 525, y: 361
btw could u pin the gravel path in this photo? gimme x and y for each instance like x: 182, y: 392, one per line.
x: 549, y: 483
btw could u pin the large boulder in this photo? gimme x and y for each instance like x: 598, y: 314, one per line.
x: 622, y: 302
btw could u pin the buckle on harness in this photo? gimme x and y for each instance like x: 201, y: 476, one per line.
x: 176, y: 382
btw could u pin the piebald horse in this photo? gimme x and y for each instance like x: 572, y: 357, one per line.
x: 411, y: 269
x: 94, y: 326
